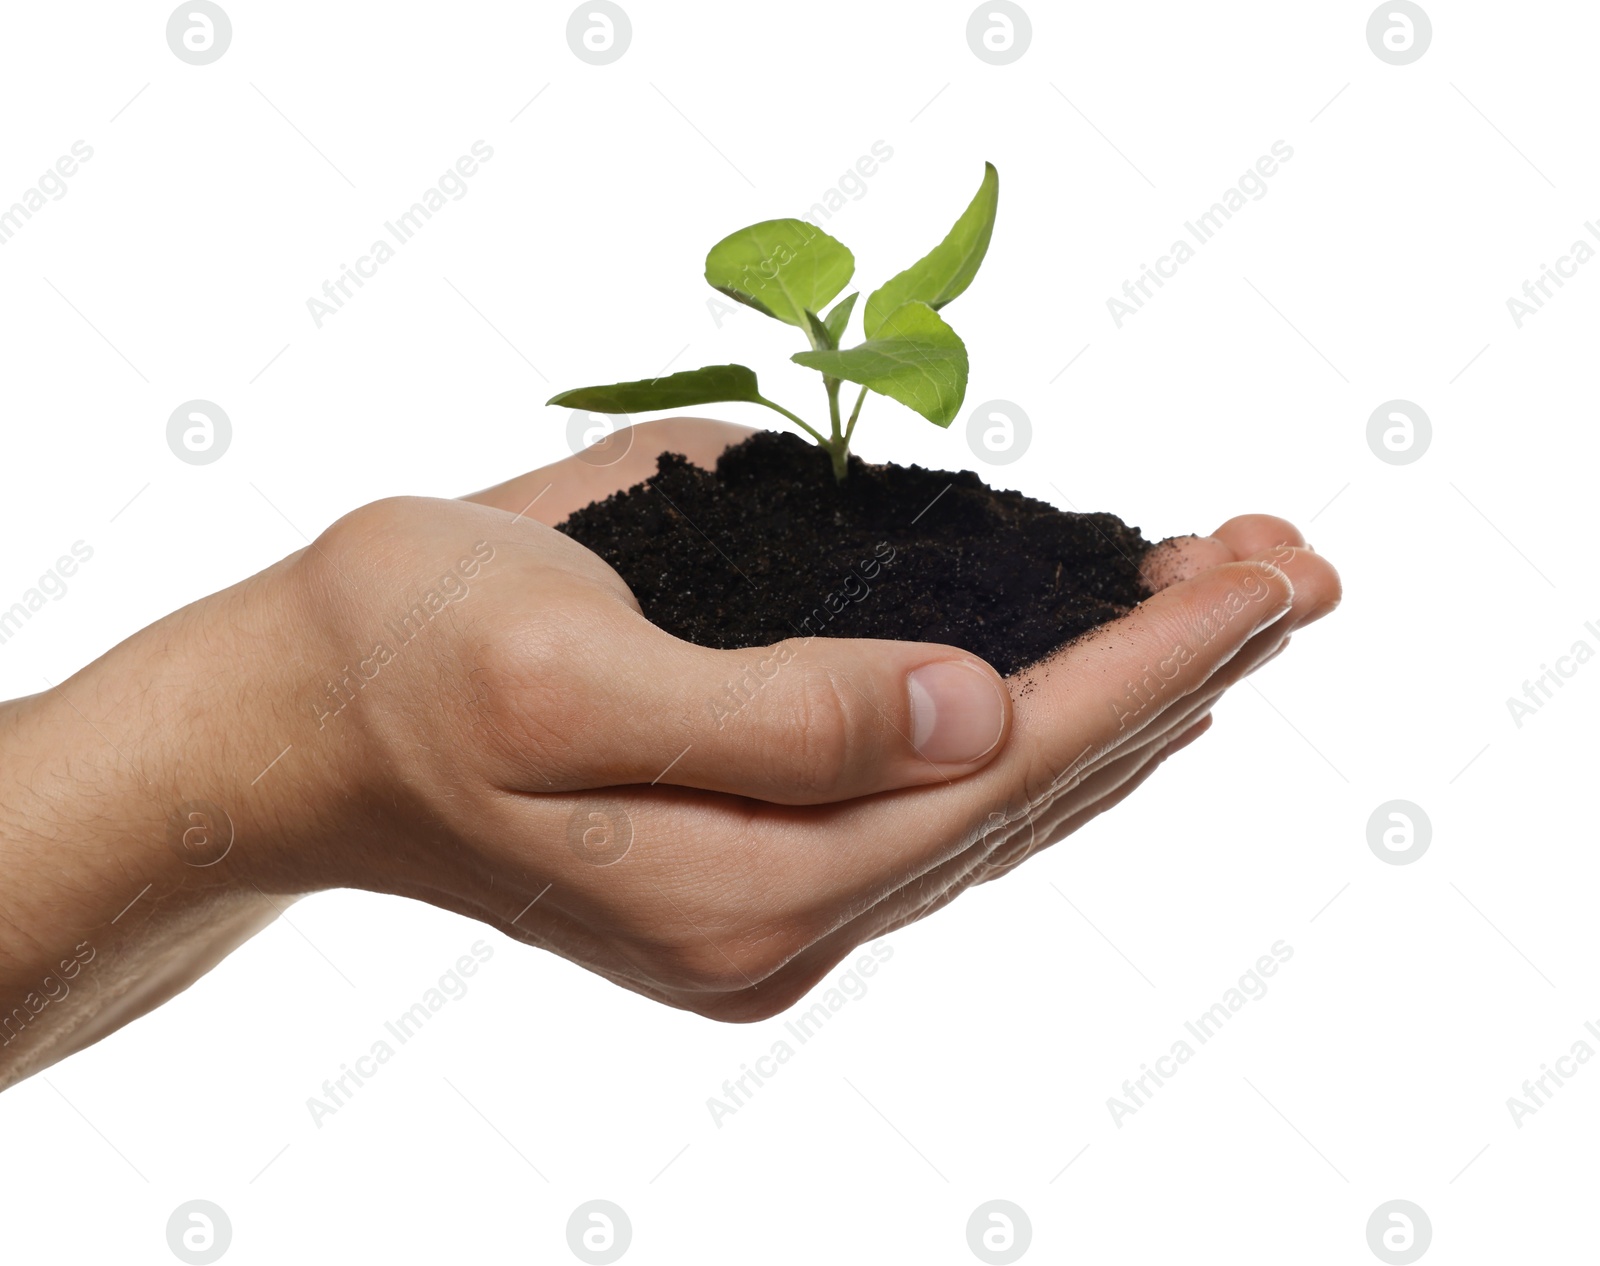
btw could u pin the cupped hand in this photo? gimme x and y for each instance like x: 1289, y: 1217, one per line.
x: 530, y: 751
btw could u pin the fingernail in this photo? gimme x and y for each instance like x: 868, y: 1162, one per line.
x: 957, y: 712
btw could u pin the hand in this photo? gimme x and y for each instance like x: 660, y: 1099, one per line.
x: 466, y: 707
x: 726, y: 868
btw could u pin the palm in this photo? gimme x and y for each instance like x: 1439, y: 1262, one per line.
x: 1074, y: 752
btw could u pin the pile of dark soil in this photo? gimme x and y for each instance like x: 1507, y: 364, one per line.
x: 771, y: 546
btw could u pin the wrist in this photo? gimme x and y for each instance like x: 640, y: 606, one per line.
x: 156, y: 809
x: 177, y: 760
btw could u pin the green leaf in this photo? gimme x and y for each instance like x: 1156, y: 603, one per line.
x: 714, y: 384
x: 915, y: 358
x: 822, y: 338
x: 781, y: 268
x: 946, y: 270
x: 839, y: 318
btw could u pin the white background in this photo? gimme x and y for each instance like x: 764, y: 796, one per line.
x: 979, y: 1064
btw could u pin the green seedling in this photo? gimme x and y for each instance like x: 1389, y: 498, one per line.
x: 791, y: 270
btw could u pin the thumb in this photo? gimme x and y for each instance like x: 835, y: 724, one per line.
x: 814, y: 720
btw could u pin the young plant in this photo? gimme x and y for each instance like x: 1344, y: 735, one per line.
x: 790, y: 270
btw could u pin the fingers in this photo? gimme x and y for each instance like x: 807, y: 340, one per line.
x: 1245, y: 536
x: 817, y: 720
x: 624, y: 458
x: 987, y: 859
x: 1182, y: 558
x: 808, y: 721
x: 1103, y: 690
x: 1262, y: 537
x: 1251, y: 534
x: 1099, y: 695
x: 1317, y: 587
x: 1115, y: 696
x: 1108, y: 788
x: 1316, y: 593
x: 1110, y: 784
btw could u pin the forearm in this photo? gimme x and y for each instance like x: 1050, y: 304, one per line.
x: 140, y: 839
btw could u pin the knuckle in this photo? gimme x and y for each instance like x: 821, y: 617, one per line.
x: 536, y: 672
x: 821, y: 749
x: 750, y: 1006
x: 716, y: 965
x: 367, y: 538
